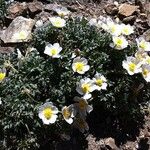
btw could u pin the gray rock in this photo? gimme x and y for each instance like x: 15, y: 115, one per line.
x: 129, y: 19
x: 51, y: 7
x: 35, y: 7
x: 18, y: 25
x: 146, y: 35
x: 110, y: 143
x: 16, y: 9
x: 111, y: 9
x: 147, y: 10
x: 127, y: 10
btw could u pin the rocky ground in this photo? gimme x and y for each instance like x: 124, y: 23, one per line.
x: 25, y: 14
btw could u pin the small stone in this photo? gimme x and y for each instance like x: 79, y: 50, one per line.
x: 18, y: 25
x: 129, y: 19
x: 146, y: 35
x: 110, y: 143
x: 16, y: 9
x: 35, y: 7
x: 6, y: 49
x: 147, y: 11
x: 111, y: 9
x: 44, y: 16
x: 143, y: 17
x: 51, y: 7
x: 39, y: 23
x: 140, y: 4
x: 127, y: 10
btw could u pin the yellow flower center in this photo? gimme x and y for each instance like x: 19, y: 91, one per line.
x: 119, y: 42
x: 132, y: 67
x: 2, y: 76
x: 99, y: 82
x: 82, y: 104
x: 58, y: 23
x: 126, y: 30
x: 86, y: 88
x: 66, y: 113
x: 145, y: 72
x: 79, y: 66
x: 113, y: 28
x: 47, y: 113
x: 148, y: 60
x: 142, y: 45
x: 53, y: 51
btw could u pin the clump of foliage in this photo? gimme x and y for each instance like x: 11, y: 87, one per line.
x: 36, y: 78
x: 2, y: 8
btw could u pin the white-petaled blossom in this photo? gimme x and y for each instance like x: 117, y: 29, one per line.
x: 114, y: 28
x: 103, y: 22
x: 79, y: 65
x: 119, y: 42
x: 93, y: 22
x: 85, y: 87
x: 142, y: 44
x: 19, y: 54
x: 81, y: 124
x: 82, y: 106
x: 100, y: 82
x: 146, y: 72
x: 53, y: 50
x: 57, y: 22
x: 147, y: 60
x: 68, y: 113
x: 48, y: 113
x: 22, y: 35
x: 126, y: 29
x: 141, y: 56
x: 132, y: 65
x: 62, y: 11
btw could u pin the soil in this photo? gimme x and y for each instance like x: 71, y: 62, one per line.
x: 104, y: 127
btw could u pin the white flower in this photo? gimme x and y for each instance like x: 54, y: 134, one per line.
x: 62, y: 11
x: 39, y: 23
x: 127, y: 29
x: 85, y: 87
x: 81, y: 124
x: 119, y: 42
x: 93, y: 22
x: 48, y: 113
x: 140, y: 55
x: 100, y: 82
x: 142, y: 44
x: 68, y: 113
x: 114, y: 29
x: 147, y: 60
x: 22, y: 35
x: 146, y: 72
x: 82, y: 106
x: 53, y: 50
x: 57, y: 22
x: 132, y: 65
x: 19, y: 54
x: 79, y: 65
